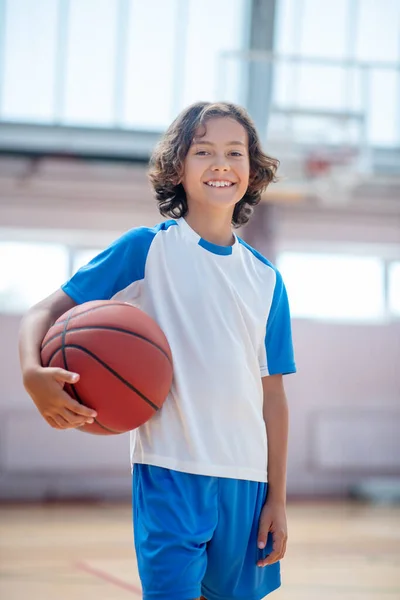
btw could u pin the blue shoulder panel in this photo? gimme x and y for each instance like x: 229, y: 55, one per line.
x: 119, y: 265
x: 278, y: 337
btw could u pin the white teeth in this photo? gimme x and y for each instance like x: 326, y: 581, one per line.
x: 219, y: 183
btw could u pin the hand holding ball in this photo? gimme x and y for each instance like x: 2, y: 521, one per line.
x: 123, y: 359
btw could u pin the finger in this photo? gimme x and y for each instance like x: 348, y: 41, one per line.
x: 52, y: 423
x: 281, y: 554
x: 278, y: 542
x: 59, y: 421
x: 276, y: 553
x: 279, y: 539
x: 269, y: 560
x: 73, y: 419
x: 79, y: 409
x: 263, y: 535
x: 64, y: 376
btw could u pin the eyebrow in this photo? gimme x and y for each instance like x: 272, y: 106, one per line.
x: 234, y: 143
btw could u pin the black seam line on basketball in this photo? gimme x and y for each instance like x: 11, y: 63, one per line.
x: 107, y: 428
x: 104, y: 427
x: 76, y: 395
x: 107, y: 367
x: 112, y: 303
x: 78, y: 399
x: 117, y: 375
x: 64, y: 332
x: 108, y: 328
x: 75, y: 392
x: 56, y: 351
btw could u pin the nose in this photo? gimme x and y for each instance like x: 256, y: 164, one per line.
x: 220, y: 163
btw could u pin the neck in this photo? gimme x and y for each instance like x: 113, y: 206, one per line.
x: 215, y: 228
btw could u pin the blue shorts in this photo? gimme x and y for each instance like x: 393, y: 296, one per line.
x: 197, y: 535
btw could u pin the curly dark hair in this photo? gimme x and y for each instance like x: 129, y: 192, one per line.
x: 166, y: 163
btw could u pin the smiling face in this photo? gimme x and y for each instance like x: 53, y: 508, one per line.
x: 216, y: 168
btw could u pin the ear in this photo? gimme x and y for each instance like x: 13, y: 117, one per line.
x: 179, y: 177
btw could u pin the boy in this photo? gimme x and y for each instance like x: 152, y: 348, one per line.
x: 205, y: 518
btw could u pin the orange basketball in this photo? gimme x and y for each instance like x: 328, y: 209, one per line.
x: 123, y: 359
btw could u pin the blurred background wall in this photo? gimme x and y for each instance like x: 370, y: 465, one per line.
x: 86, y: 89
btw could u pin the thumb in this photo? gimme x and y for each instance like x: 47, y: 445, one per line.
x: 263, y: 531
x: 64, y: 376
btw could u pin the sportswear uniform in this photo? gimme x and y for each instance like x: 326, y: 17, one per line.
x: 225, y: 313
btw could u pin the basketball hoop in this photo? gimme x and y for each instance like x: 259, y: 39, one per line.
x: 331, y: 175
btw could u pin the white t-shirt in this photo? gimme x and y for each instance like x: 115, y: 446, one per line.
x: 225, y: 313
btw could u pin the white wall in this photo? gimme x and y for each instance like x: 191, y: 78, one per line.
x: 344, y: 405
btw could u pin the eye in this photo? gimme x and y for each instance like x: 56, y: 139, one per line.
x: 201, y: 153
x: 236, y: 153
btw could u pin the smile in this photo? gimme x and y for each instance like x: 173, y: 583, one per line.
x: 221, y: 183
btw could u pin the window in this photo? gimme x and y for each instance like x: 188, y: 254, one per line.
x: 150, y: 75
x: 310, y: 28
x: 350, y: 29
x: 90, y: 64
x: 394, y: 289
x: 212, y: 28
x: 29, y: 273
x: 334, y: 286
x: 377, y: 36
x: 104, y: 62
x: 30, y: 54
x: 82, y: 257
x: 384, y: 99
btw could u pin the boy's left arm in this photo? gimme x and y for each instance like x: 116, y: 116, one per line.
x: 273, y: 515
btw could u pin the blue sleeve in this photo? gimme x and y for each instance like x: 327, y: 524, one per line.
x: 119, y: 265
x: 278, y: 338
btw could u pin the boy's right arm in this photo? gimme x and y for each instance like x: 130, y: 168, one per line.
x: 45, y: 385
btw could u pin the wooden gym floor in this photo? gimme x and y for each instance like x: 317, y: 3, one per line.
x: 78, y: 552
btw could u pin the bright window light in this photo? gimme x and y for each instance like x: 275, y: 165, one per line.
x: 394, y: 289
x: 29, y: 273
x: 90, y: 62
x: 334, y: 286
